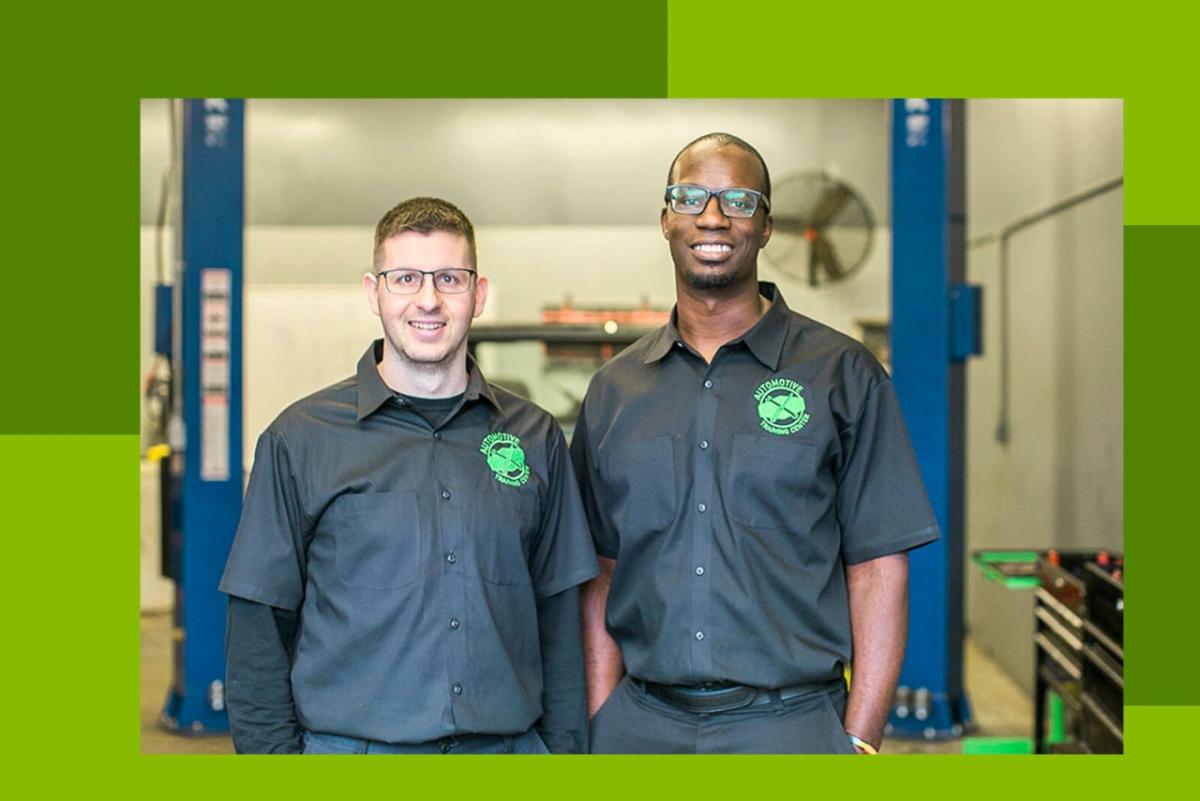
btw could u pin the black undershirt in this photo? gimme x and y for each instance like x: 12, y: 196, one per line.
x: 434, y: 410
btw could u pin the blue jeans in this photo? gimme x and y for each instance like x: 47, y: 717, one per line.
x: 527, y: 743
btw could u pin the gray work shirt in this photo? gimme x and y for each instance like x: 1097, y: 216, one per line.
x: 734, y: 494
x: 415, y: 555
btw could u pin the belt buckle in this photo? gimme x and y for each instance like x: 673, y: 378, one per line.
x: 706, y: 701
x: 740, y: 703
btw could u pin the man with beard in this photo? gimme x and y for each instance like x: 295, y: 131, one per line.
x: 751, y: 492
x: 405, y: 575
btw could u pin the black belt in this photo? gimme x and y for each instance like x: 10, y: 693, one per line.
x: 446, y: 744
x: 726, y: 696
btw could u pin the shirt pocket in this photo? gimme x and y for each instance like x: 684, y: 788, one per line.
x: 502, y: 530
x: 377, y: 539
x: 770, y: 478
x: 639, y: 485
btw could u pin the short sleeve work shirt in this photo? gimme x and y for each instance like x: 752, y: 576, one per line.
x: 415, y: 555
x: 734, y: 494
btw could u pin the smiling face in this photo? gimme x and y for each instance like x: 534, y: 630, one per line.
x: 427, y: 327
x: 712, y: 251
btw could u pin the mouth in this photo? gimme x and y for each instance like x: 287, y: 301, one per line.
x: 429, y: 330
x: 712, y: 251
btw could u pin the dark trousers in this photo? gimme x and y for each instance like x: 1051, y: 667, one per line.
x: 634, y: 722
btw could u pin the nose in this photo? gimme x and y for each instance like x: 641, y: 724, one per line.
x: 712, y: 216
x: 428, y: 298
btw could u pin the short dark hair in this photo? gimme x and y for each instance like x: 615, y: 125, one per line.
x: 720, y: 140
x: 424, y: 215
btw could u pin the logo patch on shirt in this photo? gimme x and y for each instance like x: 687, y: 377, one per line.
x: 780, y: 406
x: 505, y: 458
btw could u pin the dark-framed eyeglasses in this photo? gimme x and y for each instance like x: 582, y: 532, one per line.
x: 408, y: 281
x: 734, y: 201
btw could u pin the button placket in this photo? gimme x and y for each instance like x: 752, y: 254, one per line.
x: 451, y: 599
x: 704, y: 459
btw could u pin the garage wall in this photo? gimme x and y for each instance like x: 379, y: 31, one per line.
x: 1059, y: 480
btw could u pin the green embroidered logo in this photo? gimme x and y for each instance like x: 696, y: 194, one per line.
x: 505, y: 458
x: 780, y: 406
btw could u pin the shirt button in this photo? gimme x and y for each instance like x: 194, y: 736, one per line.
x: 437, y: 434
x: 444, y: 747
x: 456, y: 689
x: 699, y: 571
x: 445, y: 495
x: 699, y: 635
x: 707, y: 384
x: 701, y: 507
x: 451, y: 558
x: 455, y: 623
x: 703, y: 444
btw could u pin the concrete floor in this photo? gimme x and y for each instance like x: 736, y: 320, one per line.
x: 1001, y: 708
x: 157, y: 668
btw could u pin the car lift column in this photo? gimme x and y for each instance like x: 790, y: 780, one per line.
x: 935, y: 328
x: 208, y: 475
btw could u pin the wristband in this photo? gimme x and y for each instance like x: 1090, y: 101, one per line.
x: 862, y: 744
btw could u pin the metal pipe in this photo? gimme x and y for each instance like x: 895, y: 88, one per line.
x: 1002, y: 237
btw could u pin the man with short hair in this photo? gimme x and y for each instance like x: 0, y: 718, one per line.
x: 751, y: 492
x: 405, y: 575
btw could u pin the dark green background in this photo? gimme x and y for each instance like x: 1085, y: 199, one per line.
x: 68, y: 436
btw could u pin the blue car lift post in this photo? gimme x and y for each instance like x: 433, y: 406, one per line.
x: 205, y: 482
x: 935, y: 328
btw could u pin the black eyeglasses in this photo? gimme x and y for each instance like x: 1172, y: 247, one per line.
x: 734, y: 202
x: 407, y: 281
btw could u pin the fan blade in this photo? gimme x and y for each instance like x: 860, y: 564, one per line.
x: 790, y: 224
x: 826, y: 255
x: 830, y: 204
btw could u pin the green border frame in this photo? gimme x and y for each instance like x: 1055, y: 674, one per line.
x: 68, y: 440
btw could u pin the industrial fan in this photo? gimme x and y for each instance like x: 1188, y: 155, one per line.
x: 823, y: 228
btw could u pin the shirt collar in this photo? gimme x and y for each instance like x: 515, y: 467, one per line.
x: 373, y: 393
x: 478, y: 386
x: 764, y: 340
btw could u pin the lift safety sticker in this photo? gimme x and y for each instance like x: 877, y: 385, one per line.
x: 216, y: 285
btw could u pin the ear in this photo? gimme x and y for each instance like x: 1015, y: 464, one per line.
x: 662, y: 221
x: 768, y: 227
x: 370, y: 284
x: 481, y: 293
